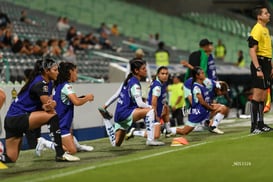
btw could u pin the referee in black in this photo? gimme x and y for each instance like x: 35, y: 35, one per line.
x: 260, y: 50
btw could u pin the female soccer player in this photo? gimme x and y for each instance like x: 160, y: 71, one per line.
x: 200, y: 108
x: 32, y: 108
x: 66, y: 98
x: 130, y: 107
x: 157, y: 98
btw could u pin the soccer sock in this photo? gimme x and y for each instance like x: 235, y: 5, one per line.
x: 217, y: 118
x: 254, y: 112
x: 49, y: 144
x: 139, y: 133
x: 110, y: 131
x: 149, y: 122
x: 173, y: 130
x: 78, y: 145
x: 167, y: 126
x: 261, y: 115
x: 5, y: 158
x: 55, y: 135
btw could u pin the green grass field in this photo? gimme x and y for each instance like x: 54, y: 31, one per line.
x: 234, y: 156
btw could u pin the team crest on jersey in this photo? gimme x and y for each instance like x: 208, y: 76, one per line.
x: 45, y: 88
x: 69, y: 87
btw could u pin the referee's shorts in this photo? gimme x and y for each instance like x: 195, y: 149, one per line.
x: 265, y: 64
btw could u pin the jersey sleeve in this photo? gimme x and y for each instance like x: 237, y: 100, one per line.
x: 68, y: 89
x: 196, y: 90
x: 156, y: 91
x: 39, y: 89
x: 137, y: 96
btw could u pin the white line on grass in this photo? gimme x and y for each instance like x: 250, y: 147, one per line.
x: 125, y: 161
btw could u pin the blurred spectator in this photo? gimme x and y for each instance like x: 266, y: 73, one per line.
x: 77, y: 45
x: 241, y: 61
x: 7, y: 40
x: 53, y: 47
x: 139, y: 54
x: 162, y: 56
x: 40, y: 48
x: 24, y: 18
x: 4, y: 20
x: 2, y: 35
x: 19, y: 46
x: 62, y: 24
x: 154, y: 39
x: 67, y: 52
x: 106, y: 43
x: 71, y: 33
x: 103, y: 28
x: 114, y: 30
x: 220, y: 50
x: 132, y: 46
x: 90, y: 41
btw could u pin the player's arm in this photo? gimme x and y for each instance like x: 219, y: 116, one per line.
x: 198, y: 94
x: 113, y: 98
x: 203, y: 102
x: 154, y: 105
x: 186, y: 64
x: 137, y: 96
x: 40, y: 91
x: 80, y: 101
x: 71, y: 94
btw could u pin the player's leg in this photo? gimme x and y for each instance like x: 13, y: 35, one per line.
x: 38, y: 118
x: 42, y: 144
x: 2, y: 101
x: 110, y: 130
x: 120, y: 135
x: 149, y: 115
x: 185, y: 130
x: 68, y: 144
x: 82, y: 148
x: 12, y: 150
x: 217, y: 116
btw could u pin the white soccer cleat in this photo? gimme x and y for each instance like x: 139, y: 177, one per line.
x: 130, y: 134
x: 66, y: 157
x: 256, y: 131
x: 40, y: 146
x: 217, y: 131
x: 85, y: 148
x: 154, y: 143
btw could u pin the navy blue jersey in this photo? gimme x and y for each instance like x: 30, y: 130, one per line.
x: 198, y: 112
x: 209, y: 83
x: 211, y: 72
x: 188, y: 83
x: 64, y: 108
x: 126, y: 102
x: 160, y: 90
x: 29, y: 100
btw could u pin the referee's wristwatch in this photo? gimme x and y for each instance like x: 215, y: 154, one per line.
x: 258, y: 68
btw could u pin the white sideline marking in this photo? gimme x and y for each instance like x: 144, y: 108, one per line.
x: 127, y: 160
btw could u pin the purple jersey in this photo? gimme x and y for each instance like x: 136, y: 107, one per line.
x: 160, y: 90
x: 29, y: 100
x: 198, y: 112
x: 126, y: 102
